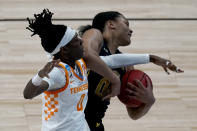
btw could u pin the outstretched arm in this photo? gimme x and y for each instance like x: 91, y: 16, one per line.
x: 124, y: 60
x: 37, y: 85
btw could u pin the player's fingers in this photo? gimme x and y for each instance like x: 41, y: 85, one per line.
x: 131, y: 86
x: 133, y: 97
x: 165, y: 69
x: 134, y: 88
x: 172, y: 67
x: 56, y: 65
x: 175, y: 69
x: 49, y: 65
x: 130, y: 92
x: 179, y: 70
x: 49, y: 68
x: 56, y: 61
x: 148, y: 83
x: 139, y: 98
x: 139, y: 83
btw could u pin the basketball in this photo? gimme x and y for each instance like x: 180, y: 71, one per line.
x: 131, y: 76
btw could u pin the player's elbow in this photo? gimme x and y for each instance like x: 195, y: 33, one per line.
x: 26, y: 95
x: 133, y: 117
x: 86, y: 52
x: 133, y: 114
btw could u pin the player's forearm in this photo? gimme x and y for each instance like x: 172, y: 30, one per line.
x: 158, y: 60
x: 32, y: 91
x: 154, y: 58
x: 136, y: 113
x: 96, y: 64
x: 92, y: 41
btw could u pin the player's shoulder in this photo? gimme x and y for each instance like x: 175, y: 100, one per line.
x: 93, y: 34
x: 94, y: 31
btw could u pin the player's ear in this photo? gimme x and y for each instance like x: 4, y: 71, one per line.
x: 111, y: 24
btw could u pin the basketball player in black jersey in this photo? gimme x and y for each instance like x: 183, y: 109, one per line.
x: 98, y: 86
x: 116, y: 32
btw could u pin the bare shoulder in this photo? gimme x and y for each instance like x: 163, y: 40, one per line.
x: 93, y: 34
x: 92, y: 41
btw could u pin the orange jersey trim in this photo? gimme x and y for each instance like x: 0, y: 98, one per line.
x: 84, y: 63
x: 78, y: 63
x: 66, y: 85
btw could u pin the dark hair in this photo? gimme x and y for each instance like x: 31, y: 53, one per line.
x: 83, y: 28
x: 49, y: 33
x: 99, y: 21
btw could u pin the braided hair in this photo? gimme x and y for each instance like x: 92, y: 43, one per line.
x: 49, y: 33
x: 99, y: 21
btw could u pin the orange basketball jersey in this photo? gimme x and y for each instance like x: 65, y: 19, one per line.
x: 63, y: 109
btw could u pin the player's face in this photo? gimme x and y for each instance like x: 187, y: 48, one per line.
x: 75, y: 48
x: 122, y: 31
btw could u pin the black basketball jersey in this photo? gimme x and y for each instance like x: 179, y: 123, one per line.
x: 96, y: 108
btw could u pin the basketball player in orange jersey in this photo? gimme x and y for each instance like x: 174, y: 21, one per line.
x: 64, y: 91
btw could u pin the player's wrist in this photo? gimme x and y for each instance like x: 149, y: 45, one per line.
x: 41, y: 73
x: 151, y: 101
x: 115, y: 79
x: 152, y: 58
x: 36, y: 80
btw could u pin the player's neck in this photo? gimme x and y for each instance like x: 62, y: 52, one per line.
x: 112, y: 46
x: 70, y: 63
x: 111, y: 42
x: 67, y: 61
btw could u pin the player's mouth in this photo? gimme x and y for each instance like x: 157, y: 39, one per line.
x: 129, y: 34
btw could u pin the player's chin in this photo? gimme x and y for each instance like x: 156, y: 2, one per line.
x: 84, y: 54
x: 80, y: 55
x: 127, y: 42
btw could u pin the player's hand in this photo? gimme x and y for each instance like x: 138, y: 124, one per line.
x: 48, y: 67
x: 166, y: 64
x: 140, y: 92
x: 115, y: 89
